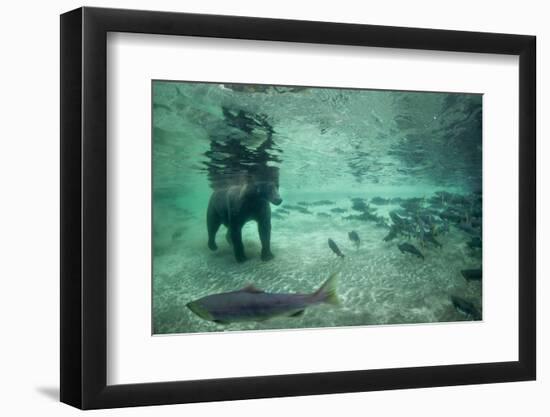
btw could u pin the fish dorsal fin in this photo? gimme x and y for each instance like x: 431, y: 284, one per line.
x: 251, y: 288
x: 298, y: 313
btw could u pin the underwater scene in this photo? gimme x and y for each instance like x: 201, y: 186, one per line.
x: 283, y: 207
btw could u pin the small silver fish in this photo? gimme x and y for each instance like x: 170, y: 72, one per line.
x: 407, y: 247
x: 466, y: 308
x: 471, y: 274
x: 354, y: 237
x: 253, y: 304
x: 334, y: 247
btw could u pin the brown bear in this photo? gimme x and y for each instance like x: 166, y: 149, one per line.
x: 238, y: 204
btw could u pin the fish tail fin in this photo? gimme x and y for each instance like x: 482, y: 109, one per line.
x: 327, y: 292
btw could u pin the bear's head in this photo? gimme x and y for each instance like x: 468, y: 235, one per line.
x: 269, y: 191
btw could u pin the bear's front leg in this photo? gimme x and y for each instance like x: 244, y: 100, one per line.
x: 237, y: 241
x: 264, y: 230
x: 213, y: 223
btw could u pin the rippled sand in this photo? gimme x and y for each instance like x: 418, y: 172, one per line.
x: 377, y: 284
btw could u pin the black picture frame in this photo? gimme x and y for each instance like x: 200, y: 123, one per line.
x: 84, y: 207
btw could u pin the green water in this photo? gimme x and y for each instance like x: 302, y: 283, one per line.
x: 417, y: 155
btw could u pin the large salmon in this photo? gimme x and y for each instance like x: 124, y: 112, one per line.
x: 252, y: 304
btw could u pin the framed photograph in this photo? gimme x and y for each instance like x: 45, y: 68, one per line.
x: 256, y: 208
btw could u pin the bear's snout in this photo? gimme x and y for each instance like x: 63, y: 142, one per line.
x: 275, y: 197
